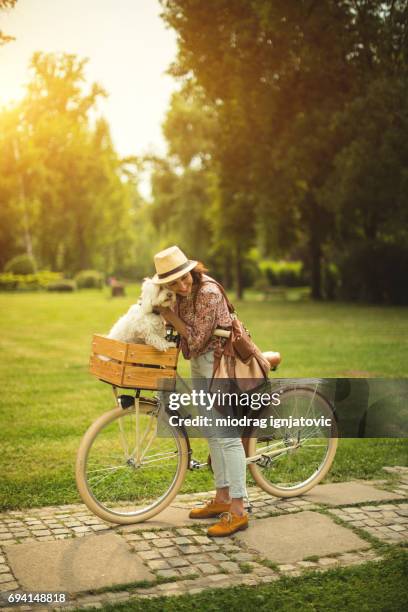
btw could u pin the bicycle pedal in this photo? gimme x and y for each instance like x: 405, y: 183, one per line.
x: 125, y: 401
x: 264, y: 461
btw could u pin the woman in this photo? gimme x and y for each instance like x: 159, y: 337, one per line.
x: 202, y: 308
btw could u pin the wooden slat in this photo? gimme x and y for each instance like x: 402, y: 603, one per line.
x: 143, y: 353
x: 111, y: 371
x: 108, y: 347
x: 145, y: 378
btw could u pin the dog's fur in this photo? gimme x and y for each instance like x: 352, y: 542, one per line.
x: 140, y: 325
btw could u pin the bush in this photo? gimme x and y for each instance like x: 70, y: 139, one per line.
x: 89, y: 279
x: 250, y: 272
x: 285, y: 273
x: 21, y: 264
x: 8, y: 282
x: 375, y: 272
x: 24, y: 282
x: 64, y: 285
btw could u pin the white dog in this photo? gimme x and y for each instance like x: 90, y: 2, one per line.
x: 141, y: 325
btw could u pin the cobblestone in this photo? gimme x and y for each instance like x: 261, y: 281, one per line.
x: 178, y: 562
x: 5, y: 577
x: 162, y: 543
x: 199, y: 558
x: 188, y: 570
x: 169, y: 552
x: 208, y: 568
x: 185, y: 531
x: 150, y: 535
x: 190, y: 549
x: 158, y: 564
x: 186, y: 552
x: 383, y: 521
x: 202, y: 540
x: 168, y: 573
x: 218, y: 556
x: 8, y: 586
x: 133, y: 537
x: 148, y: 555
x: 182, y: 540
x: 230, y: 566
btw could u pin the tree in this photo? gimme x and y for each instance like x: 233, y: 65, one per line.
x: 77, y: 193
x: 280, y: 73
x: 183, y: 184
x: 10, y: 214
x: 258, y: 62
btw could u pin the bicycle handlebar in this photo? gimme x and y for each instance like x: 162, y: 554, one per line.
x: 223, y: 333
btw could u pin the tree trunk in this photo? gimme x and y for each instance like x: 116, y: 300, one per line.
x: 227, y: 275
x: 315, y: 265
x: 238, y: 274
x: 82, y: 255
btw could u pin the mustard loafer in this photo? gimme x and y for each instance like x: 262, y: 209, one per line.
x: 229, y: 523
x: 211, y: 509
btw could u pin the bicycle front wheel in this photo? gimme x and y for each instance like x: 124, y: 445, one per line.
x: 289, y: 461
x: 125, y: 471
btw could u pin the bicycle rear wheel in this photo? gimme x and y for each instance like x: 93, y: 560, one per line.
x: 290, y: 461
x: 125, y: 472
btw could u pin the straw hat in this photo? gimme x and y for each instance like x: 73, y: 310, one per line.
x: 171, y: 264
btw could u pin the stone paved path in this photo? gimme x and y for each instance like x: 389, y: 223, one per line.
x: 67, y: 548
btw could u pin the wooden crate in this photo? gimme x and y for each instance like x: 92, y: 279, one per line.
x: 137, y: 366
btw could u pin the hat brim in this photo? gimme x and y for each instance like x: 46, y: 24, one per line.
x: 172, y: 277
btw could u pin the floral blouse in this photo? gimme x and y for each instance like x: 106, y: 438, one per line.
x: 201, y: 318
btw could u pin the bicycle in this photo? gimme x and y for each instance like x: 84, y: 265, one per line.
x: 121, y: 457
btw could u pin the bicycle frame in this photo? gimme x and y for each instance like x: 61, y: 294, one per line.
x: 263, y: 457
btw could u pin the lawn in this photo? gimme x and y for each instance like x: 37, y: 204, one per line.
x: 373, y: 587
x: 49, y: 399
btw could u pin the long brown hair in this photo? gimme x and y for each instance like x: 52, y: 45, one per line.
x: 197, y: 273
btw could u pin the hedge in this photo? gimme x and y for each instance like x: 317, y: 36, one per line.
x: 89, y: 279
x: 64, y: 285
x: 284, y: 273
x: 21, y: 282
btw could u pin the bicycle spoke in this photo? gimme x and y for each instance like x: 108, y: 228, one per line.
x: 150, y: 442
x: 128, y: 461
x: 294, y: 456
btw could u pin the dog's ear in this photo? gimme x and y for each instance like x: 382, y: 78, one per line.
x: 149, y: 293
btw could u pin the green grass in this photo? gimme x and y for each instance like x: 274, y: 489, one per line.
x: 49, y: 399
x: 373, y: 587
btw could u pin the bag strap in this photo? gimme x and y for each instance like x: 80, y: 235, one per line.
x: 221, y: 288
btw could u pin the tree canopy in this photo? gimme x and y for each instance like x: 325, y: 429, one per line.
x: 309, y: 98
x: 66, y: 198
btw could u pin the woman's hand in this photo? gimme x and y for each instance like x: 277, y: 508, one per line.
x: 173, y: 319
x: 165, y: 312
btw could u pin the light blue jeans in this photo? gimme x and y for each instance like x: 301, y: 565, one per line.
x: 227, y: 454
